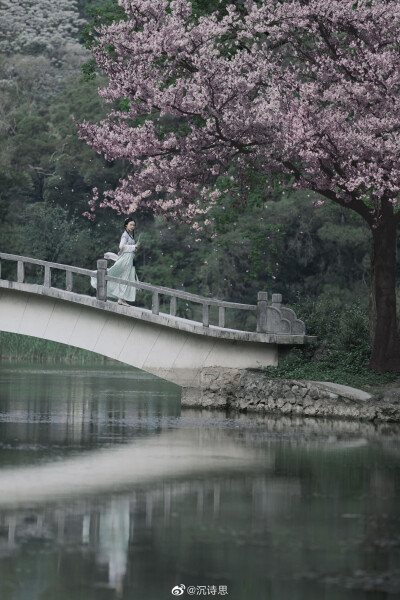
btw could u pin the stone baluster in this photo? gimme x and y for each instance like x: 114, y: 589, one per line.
x: 221, y: 316
x: 20, y: 272
x: 47, y: 276
x: 68, y: 281
x: 276, y: 301
x: 206, y: 315
x: 262, y: 298
x: 155, y: 304
x: 101, y: 291
x: 172, y: 306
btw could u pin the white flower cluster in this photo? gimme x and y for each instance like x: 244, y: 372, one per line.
x: 38, y: 26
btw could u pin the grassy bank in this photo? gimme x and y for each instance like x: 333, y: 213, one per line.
x: 335, y: 367
x: 341, y: 353
x: 21, y: 347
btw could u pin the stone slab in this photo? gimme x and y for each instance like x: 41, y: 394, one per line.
x: 344, y: 390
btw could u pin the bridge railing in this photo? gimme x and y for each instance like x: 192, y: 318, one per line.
x: 269, y: 318
x: 48, y: 268
x: 173, y: 295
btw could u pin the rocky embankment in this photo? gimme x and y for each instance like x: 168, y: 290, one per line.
x: 245, y: 390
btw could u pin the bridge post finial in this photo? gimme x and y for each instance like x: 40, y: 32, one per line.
x: 262, y: 298
x: 277, y: 300
x: 101, y: 291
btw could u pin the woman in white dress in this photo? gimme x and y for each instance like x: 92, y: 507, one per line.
x: 124, y: 267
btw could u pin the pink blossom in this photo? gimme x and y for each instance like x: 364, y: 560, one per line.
x: 326, y: 113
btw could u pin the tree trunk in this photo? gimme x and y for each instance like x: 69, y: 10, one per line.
x: 385, y: 339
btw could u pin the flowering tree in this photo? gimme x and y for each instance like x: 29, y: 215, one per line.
x: 305, y: 88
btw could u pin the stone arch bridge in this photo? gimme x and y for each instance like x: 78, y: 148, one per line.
x: 156, y: 339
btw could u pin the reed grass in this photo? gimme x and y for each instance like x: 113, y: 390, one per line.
x: 22, y: 347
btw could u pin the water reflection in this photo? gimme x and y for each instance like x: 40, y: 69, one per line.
x: 177, y: 454
x: 199, y: 532
x: 113, y: 541
x: 65, y: 410
x: 110, y: 531
x: 264, y: 507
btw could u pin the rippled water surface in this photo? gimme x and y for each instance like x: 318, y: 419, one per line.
x: 109, y: 490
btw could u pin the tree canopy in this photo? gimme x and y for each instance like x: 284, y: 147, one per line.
x: 305, y: 89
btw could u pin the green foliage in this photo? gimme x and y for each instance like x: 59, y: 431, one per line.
x: 204, y: 7
x: 264, y: 248
x: 239, y: 196
x: 342, y: 351
x: 46, y: 180
x: 89, y: 69
x: 103, y: 13
x: 60, y: 239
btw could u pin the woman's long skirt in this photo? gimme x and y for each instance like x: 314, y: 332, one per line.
x: 123, y: 269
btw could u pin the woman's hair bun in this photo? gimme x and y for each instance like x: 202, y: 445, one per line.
x: 128, y: 220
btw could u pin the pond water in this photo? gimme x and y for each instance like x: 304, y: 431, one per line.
x: 108, y: 489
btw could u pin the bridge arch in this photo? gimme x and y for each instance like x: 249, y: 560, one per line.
x: 167, y: 347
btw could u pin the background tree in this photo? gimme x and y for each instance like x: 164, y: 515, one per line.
x: 38, y: 26
x: 305, y: 89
